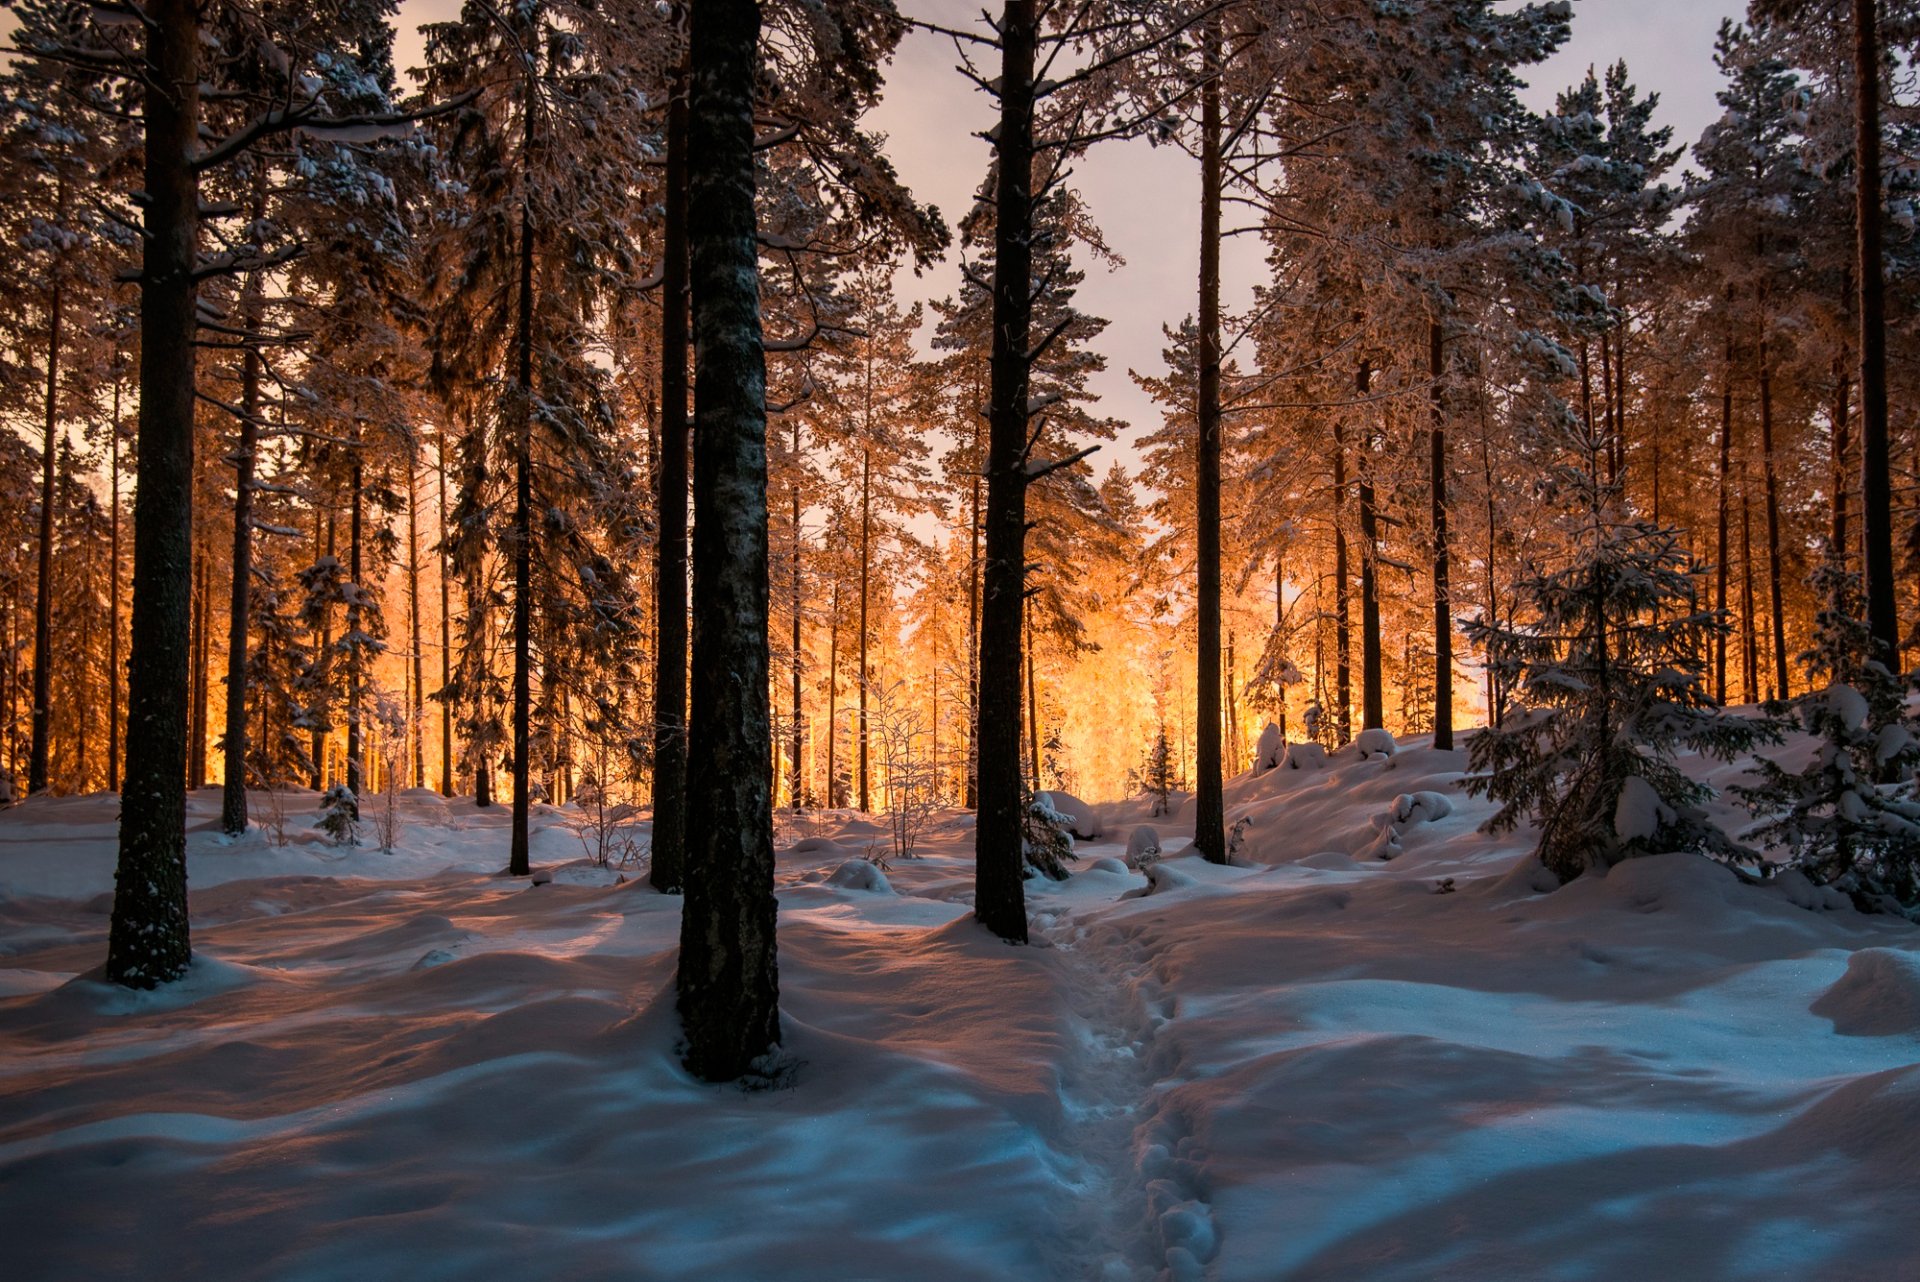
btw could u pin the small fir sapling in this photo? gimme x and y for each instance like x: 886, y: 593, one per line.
x: 340, y: 815
x: 1046, y: 838
x: 1607, y: 661
x: 1159, y: 775
x: 1849, y: 818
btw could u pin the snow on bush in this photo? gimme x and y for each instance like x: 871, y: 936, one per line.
x: 1420, y: 807
x: 861, y: 874
x: 1143, y: 846
x: 1271, y: 751
x: 1083, y: 820
x: 1374, y: 743
x: 1306, y: 756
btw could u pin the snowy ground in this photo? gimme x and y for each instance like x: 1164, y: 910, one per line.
x: 1322, y: 1065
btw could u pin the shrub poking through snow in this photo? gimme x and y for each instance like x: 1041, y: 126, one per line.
x: 1306, y: 756
x: 1849, y: 819
x: 1608, y: 660
x: 1046, y: 837
x: 340, y: 816
x: 1374, y: 743
x: 1270, y: 751
x: 1158, y: 774
x: 1143, y: 847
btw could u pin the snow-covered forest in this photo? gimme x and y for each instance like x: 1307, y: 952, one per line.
x: 525, y: 611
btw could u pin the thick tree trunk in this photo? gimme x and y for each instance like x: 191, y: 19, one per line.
x: 1032, y: 703
x: 43, y: 602
x: 233, y: 791
x: 1750, y: 667
x: 518, y: 861
x: 198, y: 648
x: 1876, y: 493
x: 670, y: 567
x: 999, y: 892
x: 1209, y: 830
x: 148, y: 943
x: 970, y: 796
x: 1842, y: 479
x: 729, y: 987
x: 833, y: 701
x: 1372, y: 697
x: 1442, y: 553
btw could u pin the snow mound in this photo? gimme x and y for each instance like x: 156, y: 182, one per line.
x: 1143, y: 846
x: 1384, y: 843
x: 1107, y: 863
x: 1085, y: 820
x: 1271, y: 751
x: 1306, y: 756
x: 1329, y: 861
x: 1411, y: 808
x: 1374, y: 743
x: 861, y: 874
x: 1879, y: 996
x: 817, y: 845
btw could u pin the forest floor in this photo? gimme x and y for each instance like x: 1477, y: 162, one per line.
x: 1320, y: 1064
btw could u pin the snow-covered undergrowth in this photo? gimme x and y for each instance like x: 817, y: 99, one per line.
x: 1320, y: 1064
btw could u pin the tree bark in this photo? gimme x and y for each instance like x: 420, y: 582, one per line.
x: 1372, y: 697
x: 999, y: 861
x: 670, y: 574
x: 1723, y: 551
x: 1209, y: 831
x: 729, y: 987
x: 1442, y: 554
x: 1771, y: 484
x: 43, y: 602
x: 233, y: 791
x: 113, y: 595
x: 866, y: 580
x: 797, y: 788
x: 416, y: 708
x: 356, y: 620
x: 518, y: 861
x: 446, y: 629
x: 148, y: 942
x: 1876, y: 493
x: 1342, y: 611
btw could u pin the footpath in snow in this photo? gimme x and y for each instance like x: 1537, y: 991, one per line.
x: 1374, y: 1051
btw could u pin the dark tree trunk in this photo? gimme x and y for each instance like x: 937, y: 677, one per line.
x: 1209, y: 824
x: 1372, y: 697
x: 729, y: 988
x: 797, y: 789
x: 1768, y: 479
x: 1842, y: 480
x: 113, y: 596
x: 149, y: 943
x: 999, y: 893
x: 866, y: 588
x: 1750, y: 669
x: 970, y: 797
x: 446, y: 630
x: 356, y: 620
x: 1723, y: 550
x: 833, y: 700
x: 518, y: 862
x: 1032, y: 703
x: 233, y: 791
x: 1442, y: 554
x: 1342, y: 612
x: 670, y: 572
x: 43, y: 602
x: 1876, y: 492
x: 416, y: 708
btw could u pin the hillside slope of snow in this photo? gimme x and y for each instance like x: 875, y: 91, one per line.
x: 1372, y: 1051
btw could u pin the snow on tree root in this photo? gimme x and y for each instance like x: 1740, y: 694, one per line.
x: 1131, y: 1204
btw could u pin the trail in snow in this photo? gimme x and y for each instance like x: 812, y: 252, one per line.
x: 1132, y: 1206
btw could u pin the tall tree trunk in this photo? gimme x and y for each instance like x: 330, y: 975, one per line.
x: 416, y: 721
x: 1750, y: 669
x: 356, y: 621
x: 1442, y: 554
x: 1372, y: 697
x: 1723, y: 551
x: 1842, y: 481
x: 670, y: 573
x: 1209, y: 820
x: 1342, y: 612
x: 1773, y: 524
x: 43, y: 602
x: 970, y: 797
x: 233, y: 791
x: 729, y: 990
x: 1876, y: 492
x: 148, y: 943
x: 113, y: 596
x: 446, y: 629
x: 202, y: 665
x: 833, y: 701
x: 866, y: 588
x: 322, y: 650
x: 999, y: 892
x: 518, y: 862
x: 1032, y: 704
x: 797, y: 789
